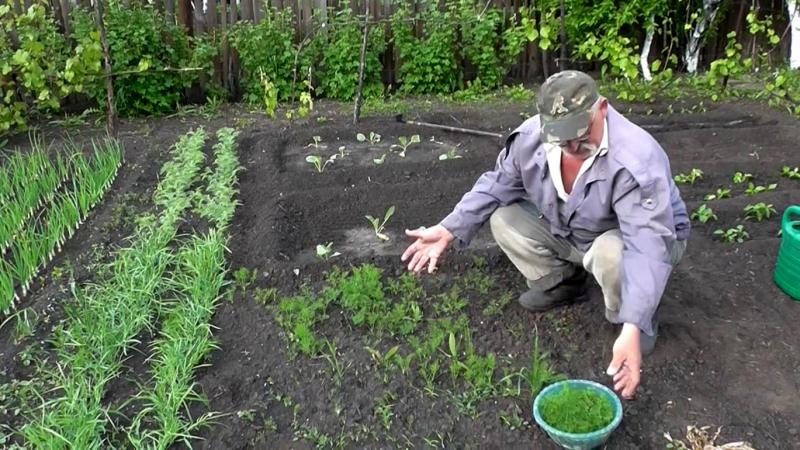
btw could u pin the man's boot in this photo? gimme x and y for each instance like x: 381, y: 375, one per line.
x: 568, y: 291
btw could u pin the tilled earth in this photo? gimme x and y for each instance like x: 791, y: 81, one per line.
x: 726, y: 356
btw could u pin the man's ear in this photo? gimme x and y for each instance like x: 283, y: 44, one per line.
x: 604, y: 107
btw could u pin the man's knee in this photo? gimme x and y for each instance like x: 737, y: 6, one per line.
x: 501, y: 222
x: 606, y: 256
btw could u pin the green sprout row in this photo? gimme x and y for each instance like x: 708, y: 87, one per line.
x: 35, y: 245
x: 186, y: 337
x: 27, y: 182
x: 103, y: 321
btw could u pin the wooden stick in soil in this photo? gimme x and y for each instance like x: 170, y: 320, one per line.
x: 110, y: 113
x: 357, y: 107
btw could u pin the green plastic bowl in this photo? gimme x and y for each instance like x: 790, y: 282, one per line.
x: 579, y: 441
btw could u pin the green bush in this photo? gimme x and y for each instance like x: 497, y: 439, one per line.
x: 140, y: 41
x: 428, y: 63
x: 486, y: 44
x: 40, y: 69
x: 266, y: 49
x: 340, y: 48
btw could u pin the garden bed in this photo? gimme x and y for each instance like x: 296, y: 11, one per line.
x: 725, y: 357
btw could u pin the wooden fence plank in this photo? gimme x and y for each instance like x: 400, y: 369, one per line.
x: 258, y: 11
x: 247, y: 9
x: 169, y: 6
x: 198, y: 18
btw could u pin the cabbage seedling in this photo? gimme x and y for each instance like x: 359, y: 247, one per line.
x: 451, y: 154
x: 759, y: 211
x: 374, y: 138
x: 753, y: 190
x: 703, y: 214
x: 378, y: 226
x: 317, y: 141
x: 690, y: 178
x: 720, y: 194
x: 325, y: 252
x: 317, y: 162
x: 405, y: 143
x: 379, y: 161
x: 740, y: 177
x: 731, y: 235
x: 790, y: 173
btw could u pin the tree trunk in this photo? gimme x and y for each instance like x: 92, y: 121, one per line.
x: 692, y: 54
x: 110, y: 112
x: 648, y: 41
x: 793, y: 7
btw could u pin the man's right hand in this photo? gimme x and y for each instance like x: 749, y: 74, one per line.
x: 427, y: 248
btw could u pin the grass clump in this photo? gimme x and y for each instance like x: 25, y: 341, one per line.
x: 576, y: 410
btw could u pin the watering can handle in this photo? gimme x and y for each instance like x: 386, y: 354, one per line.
x: 793, y: 210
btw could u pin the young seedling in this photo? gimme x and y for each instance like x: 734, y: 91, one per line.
x: 690, y: 178
x: 740, y: 177
x: 703, y: 214
x: 731, y: 235
x: 379, y: 161
x: 753, y: 190
x: 330, y: 355
x: 451, y: 154
x: 316, y: 143
x: 379, y: 226
x: 266, y: 296
x: 720, y: 194
x: 790, y: 173
x: 405, y: 143
x: 373, y: 139
x: 342, y: 152
x: 243, y: 277
x: 759, y: 211
x: 325, y: 252
x: 316, y: 161
x: 540, y: 374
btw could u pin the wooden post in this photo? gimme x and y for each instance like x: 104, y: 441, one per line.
x: 110, y: 112
x: 361, y: 62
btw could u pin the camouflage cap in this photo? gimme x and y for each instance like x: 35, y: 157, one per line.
x: 565, y: 101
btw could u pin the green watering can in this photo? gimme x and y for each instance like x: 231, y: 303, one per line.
x: 787, y: 269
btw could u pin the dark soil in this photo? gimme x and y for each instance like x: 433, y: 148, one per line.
x: 726, y: 355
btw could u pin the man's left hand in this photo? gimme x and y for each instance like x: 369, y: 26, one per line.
x: 627, y: 361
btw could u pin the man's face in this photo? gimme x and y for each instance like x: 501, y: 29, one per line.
x: 582, y: 147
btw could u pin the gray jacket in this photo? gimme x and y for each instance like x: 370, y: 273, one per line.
x: 630, y: 188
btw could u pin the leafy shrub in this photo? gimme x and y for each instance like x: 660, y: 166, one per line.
x: 266, y: 48
x: 40, y: 69
x: 486, y: 45
x: 428, y: 62
x: 340, y: 48
x: 141, y: 42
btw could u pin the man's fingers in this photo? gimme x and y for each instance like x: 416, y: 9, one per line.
x: 409, y: 251
x: 616, y: 364
x: 414, y: 260
x: 423, y: 259
x: 432, y: 264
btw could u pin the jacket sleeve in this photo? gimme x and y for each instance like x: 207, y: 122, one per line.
x: 499, y: 187
x: 644, y: 211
